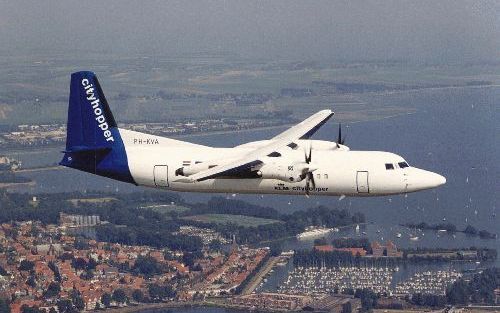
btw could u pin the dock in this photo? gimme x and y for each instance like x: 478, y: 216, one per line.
x: 257, y: 279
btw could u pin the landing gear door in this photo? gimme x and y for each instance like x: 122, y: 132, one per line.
x: 362, y: 182
x: 161, y: 175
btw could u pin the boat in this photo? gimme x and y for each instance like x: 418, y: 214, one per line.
x: 414, y: 238
x: 314, y: 231
x: 398, y: 235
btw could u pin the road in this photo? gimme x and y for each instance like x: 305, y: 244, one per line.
x: 254, y: 283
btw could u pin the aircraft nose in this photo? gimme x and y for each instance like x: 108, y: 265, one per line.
x: 421, y: 179
x: 439, y: 179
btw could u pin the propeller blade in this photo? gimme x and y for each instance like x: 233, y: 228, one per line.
x: 307, y: 187
x: 312, y: 180
x: 308, y: 157
x: 340, y: 140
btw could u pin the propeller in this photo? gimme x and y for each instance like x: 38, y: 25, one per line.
x: 340, y: 140
x: 308, y: 175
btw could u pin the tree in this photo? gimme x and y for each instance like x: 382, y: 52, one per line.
x: 147, y: 265
x: 52, y: 290
x: 4, y: 306
x: 368, y: 298
x: 79, y: 264
x: 347, y: 307
x: 31, y: 281
x: 159, y: 292
x: 77, y: 299
x: 81, y: 244
x: 458, y: 293
x: 215, y: 245
x: 106, y: 299
x: 3, y: 272
x: 137, y: 295
x: 119, y: 296
x: 64, y: 305
x: 275, y: 248
x: 26, y: 265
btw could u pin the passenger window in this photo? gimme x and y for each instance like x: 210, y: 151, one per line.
x: 318, y: 176
x: 403, y: 164
x: 325, y: 176
x: 389, y: 166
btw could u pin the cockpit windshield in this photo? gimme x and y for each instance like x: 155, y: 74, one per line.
x: 403, y: 164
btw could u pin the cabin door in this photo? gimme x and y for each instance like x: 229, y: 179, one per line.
x: 362, y: 182
x: 161, y: 175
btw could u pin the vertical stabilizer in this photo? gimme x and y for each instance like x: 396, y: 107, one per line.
x: 93, y: 141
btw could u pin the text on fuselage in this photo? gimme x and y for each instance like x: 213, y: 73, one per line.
x: 147, y: 141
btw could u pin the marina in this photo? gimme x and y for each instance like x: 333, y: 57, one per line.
x: 428, y: 282
x: 317, y: 280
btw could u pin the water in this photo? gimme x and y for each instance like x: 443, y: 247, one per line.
x: 454, y: 132
x: 446, y: 135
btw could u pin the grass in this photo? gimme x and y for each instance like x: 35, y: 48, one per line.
x: 166, y: 208
x: 240, y: 220
x: 92, y: 200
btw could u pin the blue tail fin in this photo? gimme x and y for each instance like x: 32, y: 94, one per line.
x: 93, y: 142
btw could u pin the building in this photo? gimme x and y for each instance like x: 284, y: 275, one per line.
x: 390, y: 250
x: 271, y: 301
x: 330, y: 248
x: 71, y: 220
x: 335, y: 304
x: 497, y: 295
x: 377, y: 249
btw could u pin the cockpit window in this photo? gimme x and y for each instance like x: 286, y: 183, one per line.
x: 389, y: 166
x: 274, y: 154
x: 403, y: 164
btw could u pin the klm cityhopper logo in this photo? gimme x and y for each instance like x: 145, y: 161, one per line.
x: 99, y: 117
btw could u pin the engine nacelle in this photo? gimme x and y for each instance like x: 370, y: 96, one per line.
x: 193, y: 169
x: 322, y: 145
x: 288, y: 173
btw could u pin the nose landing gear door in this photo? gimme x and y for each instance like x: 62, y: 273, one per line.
x: 161, y: 175
x: 362, y: 182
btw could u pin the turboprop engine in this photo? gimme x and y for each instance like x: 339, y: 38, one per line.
x: 289, y: 173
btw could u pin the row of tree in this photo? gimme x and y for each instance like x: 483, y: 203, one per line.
x: 479, y: 289
x: 449, y: 227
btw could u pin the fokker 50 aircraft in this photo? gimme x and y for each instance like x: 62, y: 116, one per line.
x: 289, y: 163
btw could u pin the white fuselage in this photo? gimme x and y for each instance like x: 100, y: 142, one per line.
x: 153, y: 162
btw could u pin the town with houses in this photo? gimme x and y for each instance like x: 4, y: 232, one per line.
x: 55, y: 134
x: 42, y: 265
x: 48, y: 268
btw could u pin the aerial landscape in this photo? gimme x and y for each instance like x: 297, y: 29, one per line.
x: 71, y: 241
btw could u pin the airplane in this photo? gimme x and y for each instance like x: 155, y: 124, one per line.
x: 289, y: 163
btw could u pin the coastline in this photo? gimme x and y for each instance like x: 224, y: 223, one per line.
x: 155, y: 306
x: 8, y: 185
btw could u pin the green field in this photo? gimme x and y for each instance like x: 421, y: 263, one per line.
x: 193, y: 88
x: 166, y: 208
x: 240, y: 220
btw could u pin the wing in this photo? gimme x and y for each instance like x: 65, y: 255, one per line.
x: 306, y: 128
x: 254, y: 158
